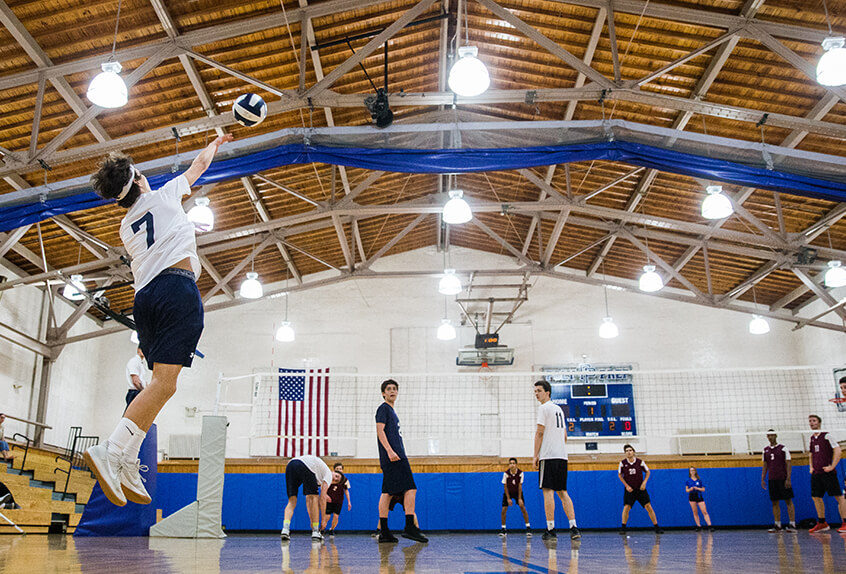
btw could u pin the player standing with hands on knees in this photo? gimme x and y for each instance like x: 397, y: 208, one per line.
x: 168, y: 309
x: 550, y: 459
x: 776, y: 463
x: 512, y: 484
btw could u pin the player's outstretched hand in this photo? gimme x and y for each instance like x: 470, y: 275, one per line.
x: 225, y: 138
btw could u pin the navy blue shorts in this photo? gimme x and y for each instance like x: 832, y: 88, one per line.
x: 397, y: 477
x: 296, y: 474
x: 168, y: 315
x: 4, y: 446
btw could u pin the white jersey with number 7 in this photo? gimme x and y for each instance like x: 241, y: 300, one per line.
x: 157, y: 233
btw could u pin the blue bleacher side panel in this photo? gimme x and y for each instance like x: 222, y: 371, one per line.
x: 102, y: 518
x: 473, y: 501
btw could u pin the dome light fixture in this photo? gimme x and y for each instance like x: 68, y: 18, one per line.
x: 449, y: 284
x: 285, y: 332
x: 74, y: 290
x: 446, y: 332
x: 650, y: 281
x: 608, y: 329
x: 835, y: 276
x: 201, y: 215
x: 758, y: 325
x: 456, y: 210
x: 251, y: 287
x: 716, y: 205
x: 469, y: 76
x: 107, y: 89
x: 831, y: 69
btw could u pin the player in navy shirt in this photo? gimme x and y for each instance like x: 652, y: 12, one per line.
x: 634, y: 474
x: 396, y: 471
x: 694, y: 489
x: 776, y: 463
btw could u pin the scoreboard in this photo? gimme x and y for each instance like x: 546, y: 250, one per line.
x: 595, y: 404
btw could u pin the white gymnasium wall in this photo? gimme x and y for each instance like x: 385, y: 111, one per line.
x: 388, y: 325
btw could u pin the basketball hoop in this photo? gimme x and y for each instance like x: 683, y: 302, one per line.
x: 838, y: 400
x: 485, y: 371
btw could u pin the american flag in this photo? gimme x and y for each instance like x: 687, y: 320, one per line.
x: 303, y: 412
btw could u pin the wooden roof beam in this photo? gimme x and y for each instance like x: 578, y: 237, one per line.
x: 820, y: 292
x: 750, y: 281
x: 237, y: 269
x: 390, y: 244
x: 215, y: 275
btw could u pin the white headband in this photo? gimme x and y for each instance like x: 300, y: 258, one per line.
x: 128, y: 185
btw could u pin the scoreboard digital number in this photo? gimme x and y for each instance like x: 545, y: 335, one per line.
x: 595, y: 404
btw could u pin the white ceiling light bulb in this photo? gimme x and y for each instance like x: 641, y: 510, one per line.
x: 469, y: 76
x: 456, y: 210
x: 446, y: 332
x: 831, y: 69
x: 134, y: 337
x: 251, y: 287
x: 835, y: 276
x: 107, y: 89
x: 201, y: 215
x: 73, y: 290
x: 716, y: 205
x: 758, y: 325
x: 650, y: 281
x: 285, y: 333
x: 449, y: 284
x: 608, y: 329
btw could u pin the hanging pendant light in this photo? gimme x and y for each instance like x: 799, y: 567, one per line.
x: 716, y: 205
x: 285, y: 332
x: 831, y: 69
x: 201, y: 215
x: 650, y: 281
x: 607, y: 329
x: 835, y: 276
x: 251, y: 288
x: 456, y: 210
x: 73, y: 290
x: 107, y: 89
x: 758, y: 325
x: 446, y: 332
x: 469, y: 76
x: 449, y: 284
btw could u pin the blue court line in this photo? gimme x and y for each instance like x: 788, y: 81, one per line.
x: 523, y: 563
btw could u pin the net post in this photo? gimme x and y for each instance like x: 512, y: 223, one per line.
x: 217, y: 395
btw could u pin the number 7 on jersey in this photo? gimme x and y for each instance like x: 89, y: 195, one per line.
x: 147, y: 221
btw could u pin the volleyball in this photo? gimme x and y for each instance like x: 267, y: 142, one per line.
x: 249, y: 109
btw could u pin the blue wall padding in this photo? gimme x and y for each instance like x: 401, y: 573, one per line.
x: 473, y: 501
x: 102, y: 518
x: 459, y: 160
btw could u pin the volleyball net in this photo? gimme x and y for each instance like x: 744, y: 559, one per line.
x: 693, y: 411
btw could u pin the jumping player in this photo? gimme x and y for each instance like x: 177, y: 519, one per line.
x: 825, y: 454
x: 339, y: 486
x: 314, y: 476
x: 550, y: 457
x: 694, y: 489
x: 634, y: 474
x: 776, y: 463
x: 168, y: 310
x: 512, y: 481
x: 396, y: 471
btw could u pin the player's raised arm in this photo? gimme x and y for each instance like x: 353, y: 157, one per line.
x: 202, y: 162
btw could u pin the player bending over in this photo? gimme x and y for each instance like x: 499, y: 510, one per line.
x: 634, y: 474
x: 315, y: 477
x: 776, y: 463
x: 339, y: 486
x: 168, y: 310
x: 825, y: 454
x: 512, y: 485
x: 550, y: 459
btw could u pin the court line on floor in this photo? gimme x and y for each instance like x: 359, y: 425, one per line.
x: 523, y: 563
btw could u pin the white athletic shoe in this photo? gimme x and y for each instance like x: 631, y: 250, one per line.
x: 316, y: 536
x: 131, y: 481
x: 105, y: 466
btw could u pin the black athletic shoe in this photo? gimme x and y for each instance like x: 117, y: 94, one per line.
x: 774, y: 529
x: 711, y: 529
x: 415, y: 534
x: 387, y: 537
x: 790, y: 528
x: 623, y: 531
x: 331, y: 533
x: 574, y: 533
x: 285, y: 535
x: 374, y: 534
x: 658, y: 530
x: 528, y: 533
x: 502, y: 532
x: 698, y: 529
x: 549, y: 535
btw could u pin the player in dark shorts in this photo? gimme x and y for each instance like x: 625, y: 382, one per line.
x: 776, y: 463
x: 396, y: 471
x: 825, y: 455
x: 512, y: 485
x: 694, y: 489
x: 634, y: 474
x: 337, y: 489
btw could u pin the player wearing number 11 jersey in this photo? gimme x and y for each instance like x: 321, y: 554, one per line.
x: 168, y: 310
x: 550, y: 459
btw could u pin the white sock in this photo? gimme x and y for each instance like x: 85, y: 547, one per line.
x: 550, y: 525
x: 123, y: 435
x: 503, y: 526
x: 527, y: 525
x: 572, y: 524
x: 134, y: 446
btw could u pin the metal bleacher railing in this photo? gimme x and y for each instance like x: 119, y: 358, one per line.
x: 77, y: 445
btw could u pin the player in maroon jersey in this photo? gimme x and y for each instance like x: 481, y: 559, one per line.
x: 512, y: 484
x: 634, y: 474
x: 339, y: 486
x: 776, y: 463
x: 825, y: 454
